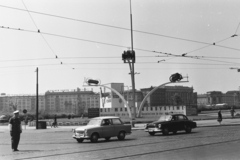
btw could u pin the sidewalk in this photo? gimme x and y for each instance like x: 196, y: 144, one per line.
x: 138, y: 126
x: 204, y: 123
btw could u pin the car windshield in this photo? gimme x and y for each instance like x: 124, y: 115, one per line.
x: 94, y: 122
x: 165, y: 118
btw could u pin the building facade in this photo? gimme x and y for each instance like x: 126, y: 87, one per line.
x: 52, y: 102
x: 9, y: 103
x: 212, y: 98
x: 113, y: 105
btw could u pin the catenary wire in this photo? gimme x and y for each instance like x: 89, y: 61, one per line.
x: 144, y: 32
x: 169, y: 54
x: 43, y: 36
x: 91, y: 41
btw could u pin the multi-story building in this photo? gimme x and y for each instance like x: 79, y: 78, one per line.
x: 9, y: 103
x: 163, y: 95
x: 71, y: 101
x: 113, y: 105
x: 78, y: 101
x: 211, y: 98
x: 52, y: 102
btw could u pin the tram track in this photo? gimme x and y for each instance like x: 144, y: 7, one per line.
x: 103, y: 148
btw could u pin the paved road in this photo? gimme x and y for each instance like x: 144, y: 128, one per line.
x: 211, y: 143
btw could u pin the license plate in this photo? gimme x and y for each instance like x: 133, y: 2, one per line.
x: 78, y: 135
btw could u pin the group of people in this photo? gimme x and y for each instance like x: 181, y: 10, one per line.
x: 232, y: 111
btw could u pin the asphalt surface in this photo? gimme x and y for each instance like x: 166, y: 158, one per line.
x: 208, y: 142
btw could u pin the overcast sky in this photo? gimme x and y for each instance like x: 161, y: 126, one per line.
x: 91, y: 35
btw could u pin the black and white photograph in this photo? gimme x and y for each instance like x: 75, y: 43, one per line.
x: 119, y: 79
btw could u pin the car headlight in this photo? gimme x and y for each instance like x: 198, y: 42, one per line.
x: 159, y: 125
x: 145, y: 125
x: 85, y: 132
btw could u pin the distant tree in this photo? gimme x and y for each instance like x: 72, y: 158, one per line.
x: 13, y: 105
x: 176, y: 99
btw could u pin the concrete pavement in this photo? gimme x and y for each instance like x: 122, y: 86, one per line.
x: 138, y: 126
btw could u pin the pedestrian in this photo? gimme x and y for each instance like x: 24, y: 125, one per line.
x: 55, y: 121
x: 219, y: 117
x: 232, y: 112
x: 15, y: 128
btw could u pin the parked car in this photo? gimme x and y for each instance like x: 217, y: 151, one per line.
x: 170, y: 123
x: 4, y: 119
x: 102, y: 127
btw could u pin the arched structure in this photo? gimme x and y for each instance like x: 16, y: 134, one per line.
x: 126, y: 104
x: 145, y: 98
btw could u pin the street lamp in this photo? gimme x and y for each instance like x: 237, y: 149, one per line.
x: 37, y: 98
x: 134, y: 73
x: 161, y: 60
x: 238, y: 69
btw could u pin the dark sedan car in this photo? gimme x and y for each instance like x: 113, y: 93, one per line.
x: 170, y: 123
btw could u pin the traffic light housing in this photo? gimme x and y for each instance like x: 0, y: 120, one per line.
x: 128, y: 55
x: 91, y: 81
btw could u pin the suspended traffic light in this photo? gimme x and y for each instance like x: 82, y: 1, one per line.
x: 128, y: 55
x: 175, y: 77
x: 91, y: 81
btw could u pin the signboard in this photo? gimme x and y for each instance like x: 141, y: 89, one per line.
x: 24, y: 111
x: 93, y: 112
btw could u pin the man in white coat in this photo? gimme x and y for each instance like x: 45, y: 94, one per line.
x: 15, y: 128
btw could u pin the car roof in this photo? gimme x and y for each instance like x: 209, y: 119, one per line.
x: 105, y: 117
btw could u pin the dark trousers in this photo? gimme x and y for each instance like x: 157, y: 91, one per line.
x: 15, y: 139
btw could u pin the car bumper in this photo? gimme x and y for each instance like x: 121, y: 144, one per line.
x: 153, y: 130
x: 80, y: 136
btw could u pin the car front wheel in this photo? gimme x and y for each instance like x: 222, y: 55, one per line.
x: 121, y: 135
x: 94, y: 138
x: 152, y: 133
x: 80, y: 140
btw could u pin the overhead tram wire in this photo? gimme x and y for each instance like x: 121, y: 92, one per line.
x: 168, y: 54
x: 105, y: 25
x: 43, y: 36
x: 37, y: 59
x: 237, y: 28
x: 115, y: 57
x: 170, y: 63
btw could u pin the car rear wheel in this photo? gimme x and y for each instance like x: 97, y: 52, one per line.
x: 94, y: 138
x: 152, y: 133
x: 107, y: 138
x: 80, y: 140
x: 165, y: 131
x: 188, y: 129
x: 121, y: 135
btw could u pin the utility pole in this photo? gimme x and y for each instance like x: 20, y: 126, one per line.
x: 37, y: 100
x: 133, y: 61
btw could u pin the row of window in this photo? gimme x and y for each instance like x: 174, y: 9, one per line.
x: 143, y: 109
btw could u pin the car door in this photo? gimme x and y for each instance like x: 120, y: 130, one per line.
x: 174, y: 124
x: 118, y: 126
x: 182, y: 122
x: 107, y: 128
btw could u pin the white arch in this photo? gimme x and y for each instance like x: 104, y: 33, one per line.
x: 145, y: 98
x: 128, y: 108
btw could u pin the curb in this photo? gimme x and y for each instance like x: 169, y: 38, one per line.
x: 140, y: 128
